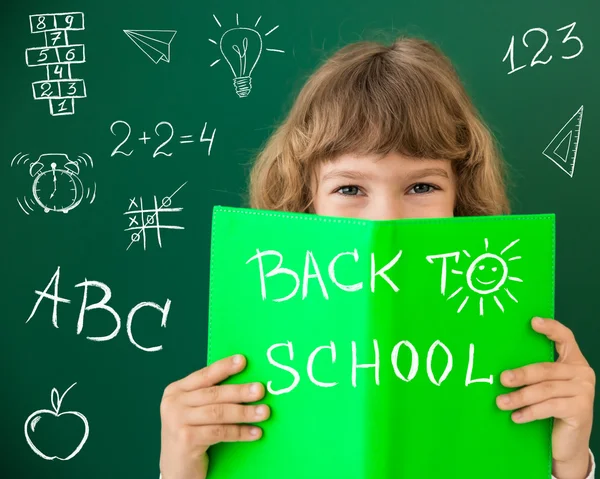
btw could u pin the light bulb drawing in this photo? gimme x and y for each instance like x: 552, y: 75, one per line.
x: 242, y: 47
x: 486, y: 275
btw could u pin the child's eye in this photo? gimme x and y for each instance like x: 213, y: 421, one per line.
x: 348, y: 190
x: 422, y: 188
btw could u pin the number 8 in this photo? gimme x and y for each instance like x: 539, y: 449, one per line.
x: 41, y: 23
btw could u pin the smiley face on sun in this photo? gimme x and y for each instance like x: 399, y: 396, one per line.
x: 487, y: 274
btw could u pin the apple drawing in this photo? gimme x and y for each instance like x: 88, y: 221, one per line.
x: 37, y: 416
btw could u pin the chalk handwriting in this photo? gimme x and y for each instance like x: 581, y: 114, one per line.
x: 164, y: 132
x: 241, y: 47
x: 414, y: 365
x: 57, y: 56
x: 102, y: 305
x: 485, y: 275
x: 572, y: 44
x: 310, y: 263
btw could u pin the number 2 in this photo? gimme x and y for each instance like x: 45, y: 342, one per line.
x: 157, y: 151
x: 46, y: 89
x: 543, y: 32
x: 116, y: 150
x: 571, y: 26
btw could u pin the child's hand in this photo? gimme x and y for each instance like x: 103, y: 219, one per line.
x: 196, y: 413
x: 564, y: 390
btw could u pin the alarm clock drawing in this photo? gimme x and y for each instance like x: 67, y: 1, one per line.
x: 56, y: 188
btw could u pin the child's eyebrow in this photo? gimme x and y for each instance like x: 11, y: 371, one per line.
x: 358, y: 175
x: 348, y: 174
x: 415, y: 175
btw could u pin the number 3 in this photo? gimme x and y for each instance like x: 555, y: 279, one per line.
x: 569, y: 37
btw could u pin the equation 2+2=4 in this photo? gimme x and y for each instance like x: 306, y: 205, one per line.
x: 165, y: 133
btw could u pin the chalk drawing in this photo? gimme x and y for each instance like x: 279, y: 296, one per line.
x: 141, y: 220
x: 156, y: 44
x: 56, y: 183
x: 241, y: 47
x: 562, y: 150
x: 36, y: 418
x: 486, y: 275
x: 57, y: 55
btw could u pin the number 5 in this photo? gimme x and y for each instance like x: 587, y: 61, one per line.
x: 569, y: 37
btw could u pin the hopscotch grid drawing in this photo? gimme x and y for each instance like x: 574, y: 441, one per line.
x: 566, y: 162
x: 237, y: 49
x: 60, y: 89
x: 155, y: 44
x: 151, y: 221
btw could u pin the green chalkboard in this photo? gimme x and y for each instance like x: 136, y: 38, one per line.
x: 132, y: 106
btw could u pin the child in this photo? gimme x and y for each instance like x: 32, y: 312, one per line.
x: 382, y: 132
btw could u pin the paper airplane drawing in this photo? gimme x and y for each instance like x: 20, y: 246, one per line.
x: 156, y: 44
x: 562, y: 150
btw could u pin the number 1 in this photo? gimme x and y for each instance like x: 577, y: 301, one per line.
x: 511, y: 53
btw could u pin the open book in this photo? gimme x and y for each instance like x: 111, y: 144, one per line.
x: 381, y: 343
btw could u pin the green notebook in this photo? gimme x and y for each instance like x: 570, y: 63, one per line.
x: 381, y: 343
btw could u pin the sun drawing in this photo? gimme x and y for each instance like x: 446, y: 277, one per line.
x: 487, y: 275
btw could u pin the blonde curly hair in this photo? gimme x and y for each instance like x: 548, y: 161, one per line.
x: 369, y: 98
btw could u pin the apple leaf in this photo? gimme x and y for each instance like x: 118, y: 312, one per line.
x: 55, y: 400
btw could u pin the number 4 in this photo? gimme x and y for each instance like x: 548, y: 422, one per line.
x: 210, y: 140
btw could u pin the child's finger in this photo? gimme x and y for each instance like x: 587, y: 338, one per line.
x: 536, y: 373
x: 539, y: 392
x: 210, y: 435
x: 212, y: 374
x: 566, y: 345
x: 562, y: 408
x: 225, y: 414
x: 227, y: 393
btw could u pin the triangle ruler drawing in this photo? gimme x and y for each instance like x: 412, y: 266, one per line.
x: 562, y: 150
x: 156, y: 44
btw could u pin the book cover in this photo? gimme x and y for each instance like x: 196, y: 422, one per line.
x: 381, y: 343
